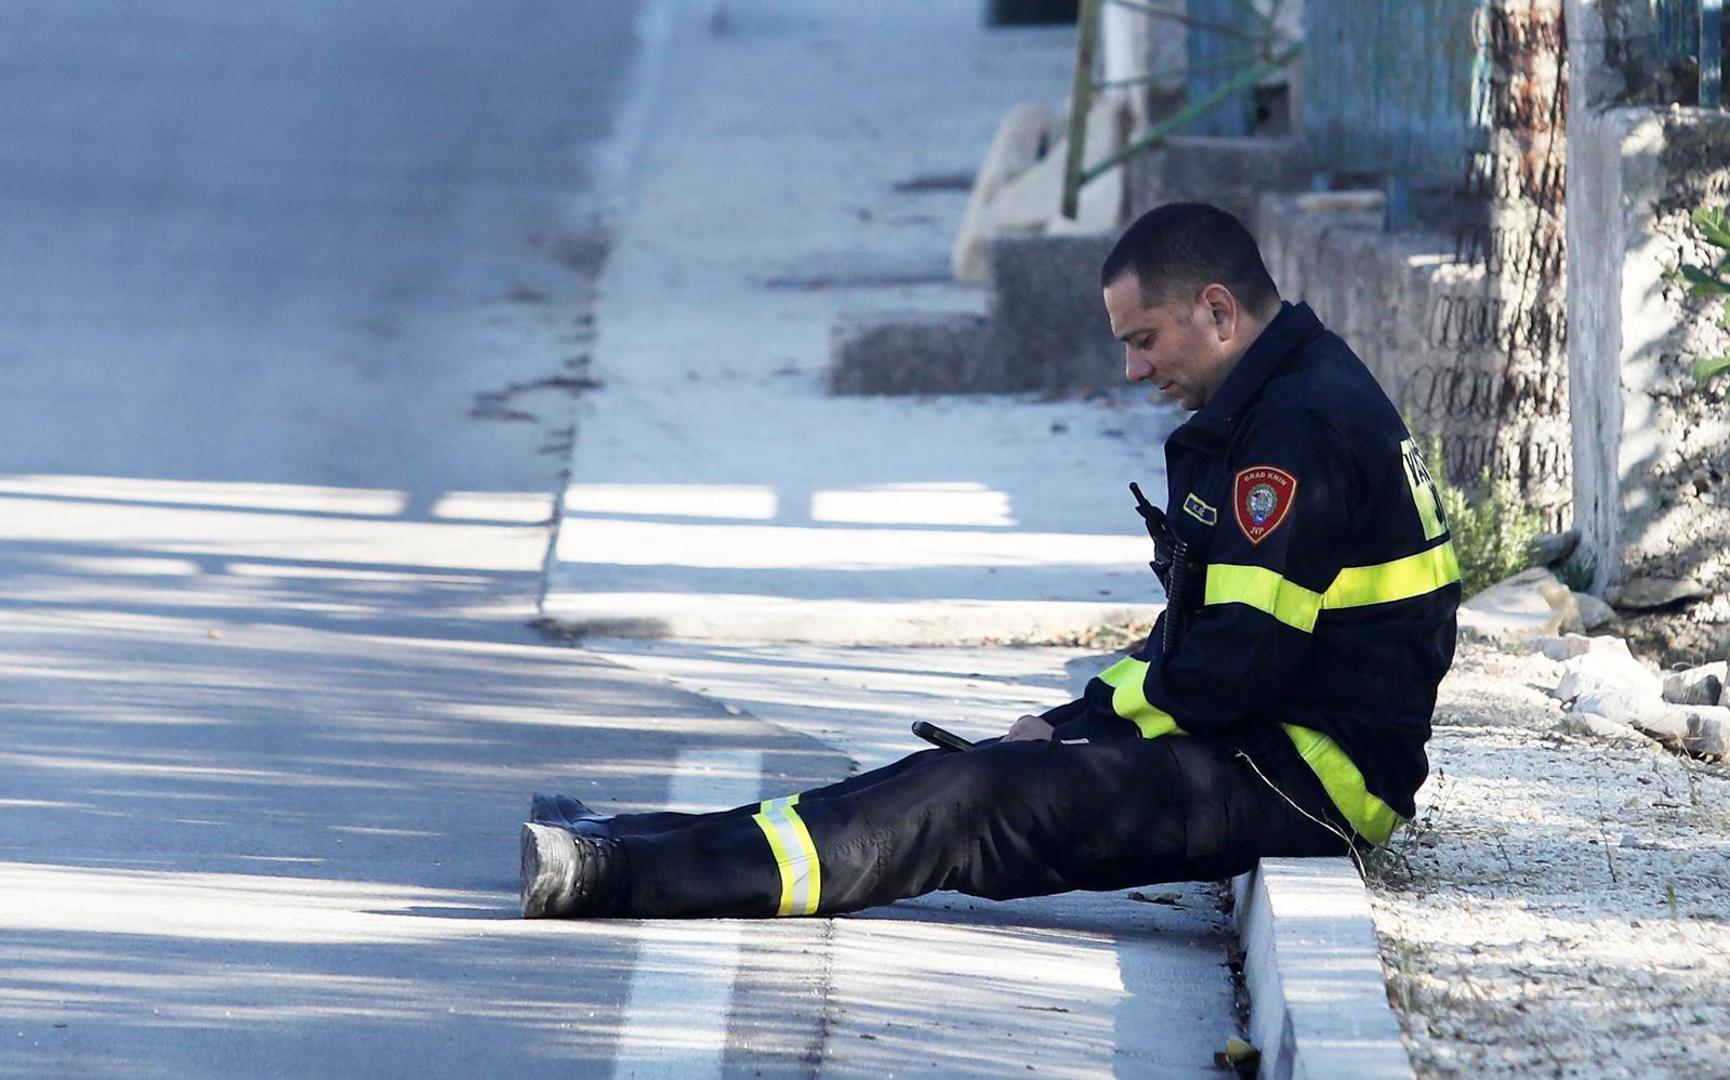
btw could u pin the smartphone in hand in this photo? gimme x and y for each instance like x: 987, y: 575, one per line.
x: 936, y: 736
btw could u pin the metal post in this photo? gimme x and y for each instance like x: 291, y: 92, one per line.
x: 1711, y: 53
x: 1080, y: 102
x: 1397, y: 203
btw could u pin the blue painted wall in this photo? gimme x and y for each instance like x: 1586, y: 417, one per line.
x: 1388, y: 86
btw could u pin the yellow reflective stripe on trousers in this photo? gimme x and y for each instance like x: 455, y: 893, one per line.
x: 1261, y: 588
x: 1401, y: 579
x: 1374, y: 819
x: 1129, y: 699
x: 1355, y: 586
x: 795, y: 856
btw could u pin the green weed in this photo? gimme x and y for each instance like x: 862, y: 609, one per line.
x: 1710, y: 282
x: 1493, y: 533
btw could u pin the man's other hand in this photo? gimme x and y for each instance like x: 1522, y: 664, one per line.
x: 1028, y: 728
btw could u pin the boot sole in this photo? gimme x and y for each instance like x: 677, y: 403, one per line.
x: 547, y: 868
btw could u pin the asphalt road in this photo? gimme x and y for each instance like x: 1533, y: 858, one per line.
x: 291, y: 301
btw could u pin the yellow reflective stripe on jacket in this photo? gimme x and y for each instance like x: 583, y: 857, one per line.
x: 1355, y: 586
x: 795, y: 856
x: 1129, y: 699
x: 1374, y: 819
x: 1401, y: 579
x: 1264, y: 590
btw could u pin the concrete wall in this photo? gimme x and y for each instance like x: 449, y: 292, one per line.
x: 1230, y: 173
x: 1653, y: 448
x: 1412, y: 312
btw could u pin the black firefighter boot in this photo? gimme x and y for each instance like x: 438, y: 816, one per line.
x: 568, y: 813
x: 570, y: 875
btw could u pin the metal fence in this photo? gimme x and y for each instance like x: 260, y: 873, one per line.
x: 1388, y: 86
x: 1690, y: 39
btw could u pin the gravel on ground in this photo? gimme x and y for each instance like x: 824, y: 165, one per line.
x: 1560, y: 905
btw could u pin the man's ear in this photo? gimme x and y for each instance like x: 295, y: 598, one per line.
x: 1222, y: 307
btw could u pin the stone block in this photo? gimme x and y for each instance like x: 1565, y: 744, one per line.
x: 1231, y: 173
x: 905, y: 353
x: 1049, y: 329
x: 1702, y: 685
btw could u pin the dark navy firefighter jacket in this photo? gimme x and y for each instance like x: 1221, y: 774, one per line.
x: 1321, y: 579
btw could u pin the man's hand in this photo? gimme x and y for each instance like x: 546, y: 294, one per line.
x: 1028, y: 728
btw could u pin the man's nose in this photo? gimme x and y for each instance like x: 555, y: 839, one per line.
x: 1135, y: 366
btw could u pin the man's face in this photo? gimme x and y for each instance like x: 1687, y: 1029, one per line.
x: 1185, y: 349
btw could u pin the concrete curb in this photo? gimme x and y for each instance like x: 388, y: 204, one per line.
x: 686, y: 617
x: 1318, y: 998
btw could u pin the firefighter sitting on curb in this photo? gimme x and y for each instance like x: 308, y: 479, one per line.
x: 1280, y: 706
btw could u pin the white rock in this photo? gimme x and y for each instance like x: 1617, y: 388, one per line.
x: 1565, y: 647
x: 1580, y: 723
x: 1593, y: 611
x: 1030, y: 201
x: 1669, y: 724
x: 1533, y: 603
x: 1568, y: 646
x: 1708, y: 730
x: 1643, y: 711
x: 1025, y: 136
x: 1703, y: 685
x: 1611, y: 668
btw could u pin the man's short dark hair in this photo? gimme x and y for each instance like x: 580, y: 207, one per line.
x: 1177, y: 249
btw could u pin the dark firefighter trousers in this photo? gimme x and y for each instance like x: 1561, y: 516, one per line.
x: 1003, y: 820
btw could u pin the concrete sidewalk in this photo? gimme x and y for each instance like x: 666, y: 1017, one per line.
x: 787, y: 548
x: 1126, y: 983
x: 717, y: 491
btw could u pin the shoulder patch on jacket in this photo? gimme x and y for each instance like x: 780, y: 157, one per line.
x: 1262, y: 497
x: 1199, y: 510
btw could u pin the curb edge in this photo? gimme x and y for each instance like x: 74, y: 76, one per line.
x: 1312, y: 967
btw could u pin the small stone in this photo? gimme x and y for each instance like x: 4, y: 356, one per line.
x: 1565, y: 647
x: 1649, y: 593
x: 1609, y: 668
x: 1531, y: 604
x: 1669, y: 724
x: 1708, y: 731
x: 1599, y: 727
x: 1553, y: 549
x: 1594, y: 612
x: 1633, y: 707
x: 1703, y: 685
